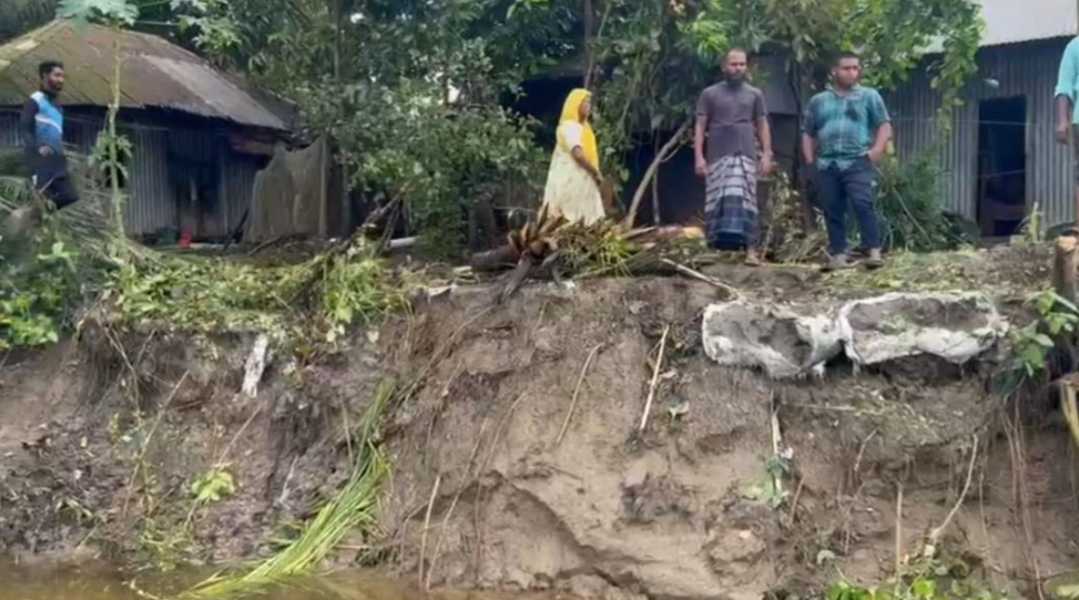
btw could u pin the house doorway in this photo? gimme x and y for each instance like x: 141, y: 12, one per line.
x: 1002, y: 166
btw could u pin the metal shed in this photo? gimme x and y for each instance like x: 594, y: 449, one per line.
x: 1000, y: 157
x: 199, y: 135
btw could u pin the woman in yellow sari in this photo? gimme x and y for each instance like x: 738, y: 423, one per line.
x: 574, y: 180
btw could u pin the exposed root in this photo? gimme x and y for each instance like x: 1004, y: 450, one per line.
x: 456, y: 498
x: 655, y: 379
x: 490, y: 456
x: 733, y: 294
x: 146, y: 443
x: 934, y: 536
x: 898, y: 535
x: 427, y: 526
x: 577, y: 393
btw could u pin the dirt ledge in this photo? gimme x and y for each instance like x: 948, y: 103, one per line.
x: 673, y: 513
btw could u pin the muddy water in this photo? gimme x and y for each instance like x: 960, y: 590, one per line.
x: 99, y: 583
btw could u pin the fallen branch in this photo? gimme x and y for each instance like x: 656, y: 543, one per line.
x: 655, y: 379
x: 794, y: 503
x: 934, y: 536
x: 403, y: 243
x: 517, y: 277
x: 664, y: 153
x: 577, y: 393
x: 500, y: 258
x: 688, y: 272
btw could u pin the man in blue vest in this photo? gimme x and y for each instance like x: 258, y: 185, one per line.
x: 42, y: 129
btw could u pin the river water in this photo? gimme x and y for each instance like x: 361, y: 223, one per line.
x: 48, y: 582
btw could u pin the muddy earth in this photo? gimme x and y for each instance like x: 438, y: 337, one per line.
x: 520, y: 464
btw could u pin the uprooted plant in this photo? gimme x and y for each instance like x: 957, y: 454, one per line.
x: 306, y: 306
x: 353, y: 507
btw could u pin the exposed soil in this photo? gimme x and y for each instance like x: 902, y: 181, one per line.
x: 674, y: 512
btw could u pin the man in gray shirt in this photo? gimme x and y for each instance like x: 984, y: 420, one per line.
x: 731, y: 119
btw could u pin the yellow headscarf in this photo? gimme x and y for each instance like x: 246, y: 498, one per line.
x: 571, y: 111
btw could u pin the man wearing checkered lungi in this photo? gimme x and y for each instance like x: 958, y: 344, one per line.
x: 731, y: 119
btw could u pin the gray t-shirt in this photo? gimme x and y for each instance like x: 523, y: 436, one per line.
x: 732, y: 112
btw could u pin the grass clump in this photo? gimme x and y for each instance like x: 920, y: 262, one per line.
x: 353, y: 507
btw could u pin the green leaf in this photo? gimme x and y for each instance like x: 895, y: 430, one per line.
x: 1043, y: 340
x: 214, y: 486
x: 925, y: 589
x: 116, y: 12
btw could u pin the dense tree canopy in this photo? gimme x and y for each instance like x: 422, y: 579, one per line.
x: 415, y: 91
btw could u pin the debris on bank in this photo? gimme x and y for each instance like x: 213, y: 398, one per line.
x: 788, y: 341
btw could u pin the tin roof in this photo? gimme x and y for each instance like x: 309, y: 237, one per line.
x: 1012, y: 21
x: 155, y: 74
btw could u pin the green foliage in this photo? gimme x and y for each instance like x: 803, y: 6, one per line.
x: 656, y: 68
x: 352, y: 508
x: 212, y: 25
x: 408, y: 144
x: 113, y: 12
x: 356, y: 290
x: 1032, y: 345
x: 39, y: 294
x: 909, y: 199
x: 20, y: 16
x: 166, y: 546
x: 202, y: 295
x: 411, y: 89
x: 213, y: 486
x: 770, y: 489
x: 926, y: 579
x: 101, y: 162
x: 304, y: 306
x: 891, y: 35
x: 1064, y: 588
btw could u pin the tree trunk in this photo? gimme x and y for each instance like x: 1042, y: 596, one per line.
x: 797, y: 84
x: 114, y: 153
x: 664, y: 153
x: 494, y: 260
x: 1064, y: 268
x: 339, y: 10
x: 589, y: 28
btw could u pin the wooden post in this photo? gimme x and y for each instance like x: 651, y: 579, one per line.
x: 1064, y: 268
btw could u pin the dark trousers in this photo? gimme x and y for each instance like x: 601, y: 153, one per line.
x: 58, y: 189
x: 855, y: 186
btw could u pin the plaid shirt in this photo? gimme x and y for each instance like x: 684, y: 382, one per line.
x: 844, y: 126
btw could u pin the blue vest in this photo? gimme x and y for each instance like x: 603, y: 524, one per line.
x: 49, y: 123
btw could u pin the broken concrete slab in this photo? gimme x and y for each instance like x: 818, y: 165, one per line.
x: 776, y: 339
x: 786, y: 342
x: 952, y: 327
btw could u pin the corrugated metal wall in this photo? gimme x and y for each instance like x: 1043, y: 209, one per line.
x: 239, y: 186
x: 153, y: 188
x: 9, y: 129
x: 152, y: 202
x: 1028, y: 70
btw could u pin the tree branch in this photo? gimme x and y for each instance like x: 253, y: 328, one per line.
x: 668, y: 149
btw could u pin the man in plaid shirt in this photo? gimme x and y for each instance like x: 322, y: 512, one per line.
x: 846, y: 131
